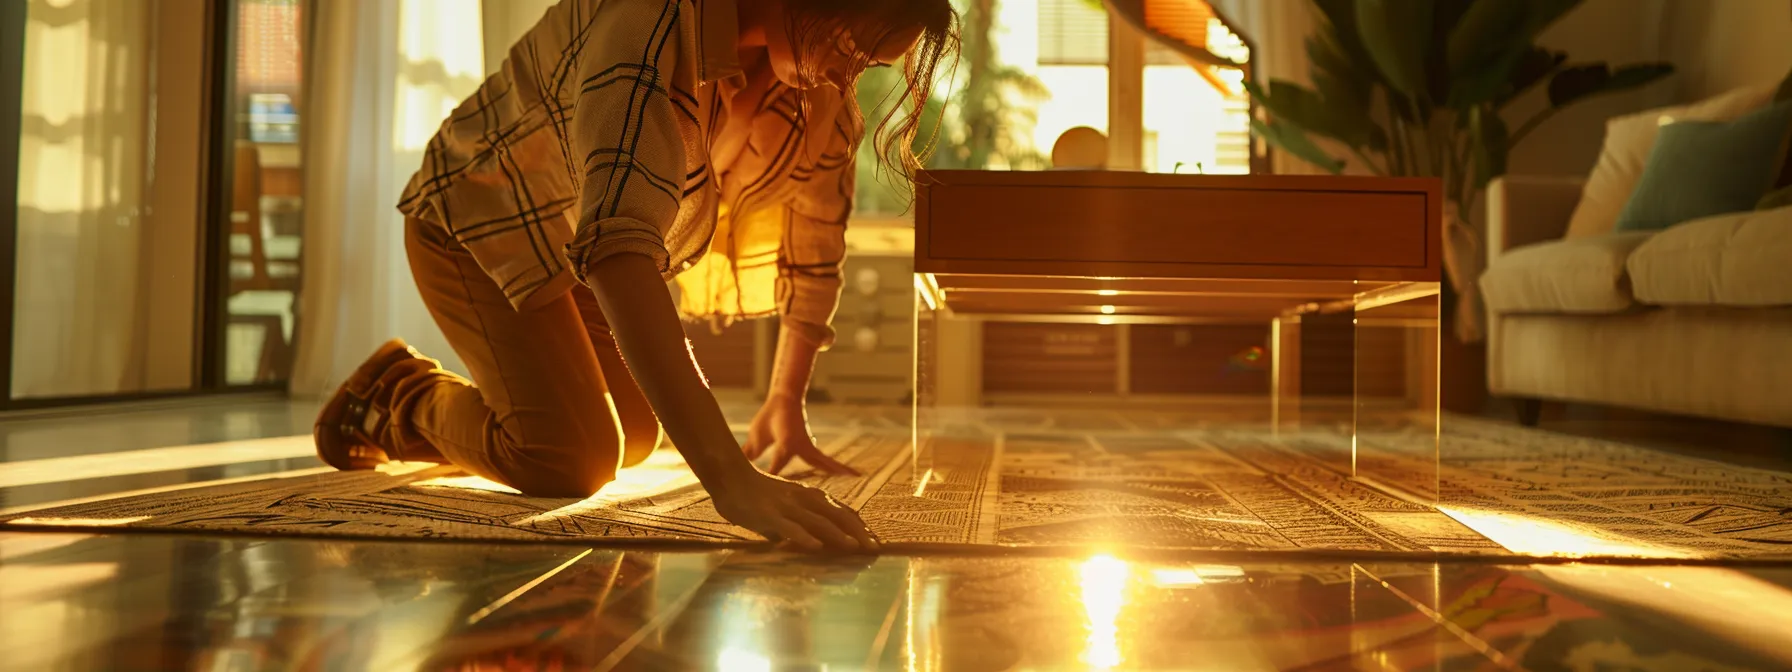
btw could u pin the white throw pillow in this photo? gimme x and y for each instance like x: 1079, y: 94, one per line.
x: 1628, y: 140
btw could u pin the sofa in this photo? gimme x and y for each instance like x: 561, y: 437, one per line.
x: 1694, y: 319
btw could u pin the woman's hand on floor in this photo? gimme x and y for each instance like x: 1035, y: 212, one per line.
x: 792, y: 513
x: 782, y: 427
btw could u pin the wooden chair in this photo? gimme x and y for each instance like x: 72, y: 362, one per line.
x: 246, y: 221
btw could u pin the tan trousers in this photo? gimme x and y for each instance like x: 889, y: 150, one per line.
x: 551, y: 410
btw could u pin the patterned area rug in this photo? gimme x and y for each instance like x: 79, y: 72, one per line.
x: 1051, y: 479
x: 1618, y: 498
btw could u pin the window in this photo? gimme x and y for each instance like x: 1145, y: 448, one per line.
x: 1038, y: 68
x: 1072, y: 32
x: 1196, y: 116
x: 1071, y: 64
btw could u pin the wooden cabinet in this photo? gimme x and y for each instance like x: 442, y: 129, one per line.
x: 872, y: 360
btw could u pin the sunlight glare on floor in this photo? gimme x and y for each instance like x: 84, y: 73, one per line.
x: 1191, y: 576
x: 661, y: 471
x: 1103, y: 580
x: 1719, y: 601
x: 1176, y: 577
x: 743, y: 660
x: 468, y: 482
x: 1534, y: 536
x: 744, y: 622
x: 921, y: 486
x: 402, y: 468
x: 77, y: 522
x: 1739, y: 607
x: 31, y: 582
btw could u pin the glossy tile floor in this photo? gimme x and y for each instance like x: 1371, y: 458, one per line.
x: 94, y: 430
x: 163, y: 601
x: 76, y: 454
x: 144, y: 602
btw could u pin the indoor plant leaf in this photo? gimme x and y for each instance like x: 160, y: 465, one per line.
x: 1341, y: 13
x: 1304, y: 108
x: 1346, y: 98
x: 1342, y: 73
x: 1340, y: 16
x: 1492, y: 28
x: 1339, y: 79
x: 1287, y: 137
x: 1488, y: 139
x: 1485, y: 81
x: 1492, y: 45
x: 1541, y: 14
x: 1536, y: 65
x: 1445, y: 14
x: 1396, y: 34
x: 1343, y: 44
x: 1486, y: 32
x: 1582, y: 81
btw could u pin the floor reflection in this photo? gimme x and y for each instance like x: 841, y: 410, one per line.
x: 166, y: 602
x: 1103, y: 581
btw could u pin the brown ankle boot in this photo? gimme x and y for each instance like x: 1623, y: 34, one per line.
x: 344, y: 438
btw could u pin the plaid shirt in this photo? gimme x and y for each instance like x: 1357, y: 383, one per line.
x: 629, y: 126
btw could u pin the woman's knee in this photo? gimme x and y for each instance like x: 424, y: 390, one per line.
x: 571, y: 468
x: 577, y: 477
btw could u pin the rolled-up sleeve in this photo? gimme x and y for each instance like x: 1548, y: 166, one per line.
x: 814, y: 246
x: 624, y: 133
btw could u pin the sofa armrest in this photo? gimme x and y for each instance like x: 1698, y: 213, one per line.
x: 1526, y: 209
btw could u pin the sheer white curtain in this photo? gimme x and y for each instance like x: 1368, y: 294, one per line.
x: 84, y: 171
x: 384, y: 74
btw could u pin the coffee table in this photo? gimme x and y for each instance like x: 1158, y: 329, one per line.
x: 1342, y: 272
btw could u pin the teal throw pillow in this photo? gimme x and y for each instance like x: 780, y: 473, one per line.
x: 1704, y: 168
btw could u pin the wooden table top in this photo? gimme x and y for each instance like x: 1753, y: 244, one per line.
x: 1180, y: 246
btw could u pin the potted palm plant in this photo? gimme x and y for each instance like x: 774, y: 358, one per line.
x: 1417, y: 88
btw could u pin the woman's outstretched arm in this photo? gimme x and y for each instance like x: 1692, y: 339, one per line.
x: 653, y: 344
x: 624, y: 133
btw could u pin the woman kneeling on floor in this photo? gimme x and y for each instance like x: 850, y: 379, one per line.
x: 623, y: 143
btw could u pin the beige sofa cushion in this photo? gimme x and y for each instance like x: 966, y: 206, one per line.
x: 1628, y: 140
x: 1742, y: 259
x: 1578, y: 275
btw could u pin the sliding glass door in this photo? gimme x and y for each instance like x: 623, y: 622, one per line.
x: 149, y: 184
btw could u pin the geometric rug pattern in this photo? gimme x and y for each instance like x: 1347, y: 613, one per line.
x: 1057, y: 478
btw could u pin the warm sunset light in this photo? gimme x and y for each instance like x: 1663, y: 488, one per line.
x: 573, y: 335
x: 1103, y: 580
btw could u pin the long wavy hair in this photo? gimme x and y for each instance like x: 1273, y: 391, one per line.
x: 894, y: 137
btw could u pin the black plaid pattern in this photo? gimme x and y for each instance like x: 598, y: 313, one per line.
x: 595, y: 138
